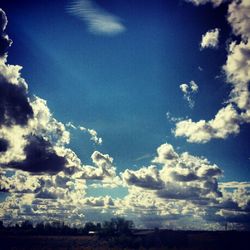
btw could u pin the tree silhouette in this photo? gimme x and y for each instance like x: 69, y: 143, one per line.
x: 117, y: 226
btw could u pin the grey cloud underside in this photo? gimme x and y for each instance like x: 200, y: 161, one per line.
x: 182, y: 177
x: 14, y: 104
x: 40, y: 157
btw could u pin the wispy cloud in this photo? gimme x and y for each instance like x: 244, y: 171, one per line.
x: 93, y: 134
x: 98, y: 20
x: 188, y: 91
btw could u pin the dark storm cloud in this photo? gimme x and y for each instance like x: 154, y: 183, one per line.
x: 3, y: 145
x: 16, y: 109
x: 14, y: 104
x: 40, y: 157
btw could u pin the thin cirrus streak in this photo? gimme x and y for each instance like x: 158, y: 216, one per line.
x: 98, y: 20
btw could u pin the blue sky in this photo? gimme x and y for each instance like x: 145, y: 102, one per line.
x: 123, y: 81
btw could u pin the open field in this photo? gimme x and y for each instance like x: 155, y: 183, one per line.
x: 162, y: 240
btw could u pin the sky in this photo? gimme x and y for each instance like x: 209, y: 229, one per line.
x: 139, y: 109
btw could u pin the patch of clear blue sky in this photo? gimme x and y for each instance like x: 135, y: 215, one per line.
x: 122, y: 86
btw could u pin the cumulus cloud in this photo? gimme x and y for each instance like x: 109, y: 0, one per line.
x: 166, y: 154
x: 210, y: 39
x: 103, y: 168
x: 228, y: 119
x: 31, y: 138
x: 180, y: 186
x: 144, y: 177
x: 188, y: 91
x: 182, y: 176
x: 226, y: 122
x: 101, y: 201
x: 98, y: 20
x: 44, y: 180
x: 237, y: 70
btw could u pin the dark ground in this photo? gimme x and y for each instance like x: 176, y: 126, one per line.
x: 162, y: 239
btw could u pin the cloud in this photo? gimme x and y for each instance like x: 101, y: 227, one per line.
x: 184, y: 186
x: 101, y: 201
x: 31, y: 139
x: 226, y: 122
x: 215, y: 3
x: 179, y: 186
x: 182, y: 176
x: 234, y: 184
x: 19, y: 182
x: 94, y: 135
x: 189, y: 90
x: 234, y: 216
x: 40, y: 157
x: 5, y: 42
x: 15, y: 108
x: 103, y: 168
x: 210, y: 39
x: 238, y: 17
x: 104, y: 162
x: 144, y: 177
x: 228, y: 119
x: 98, y: 20
x: 237, y: 70
x: 165, y: 153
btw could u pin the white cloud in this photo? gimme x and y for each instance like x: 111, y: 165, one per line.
x: 225, y: 123
x: 238, y: 17
x: 144, y: 177
x: 228, y: 119
x: 234, y: 184
x: 215, y: 3
x: 103, y: 168
x: 237, y: 70
x: 182, y: 176
x: 99, y: 21
x: 165, y: 153
x: 101, y: 201
x: 189, y: 90
x: 93, y: 133
x: 210, y: 39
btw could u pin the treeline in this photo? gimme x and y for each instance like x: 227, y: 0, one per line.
x: 114, y: 227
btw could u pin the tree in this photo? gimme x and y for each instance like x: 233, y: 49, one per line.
x: 117, y: 226
x: 89, y: 226
x: 26, y: 225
